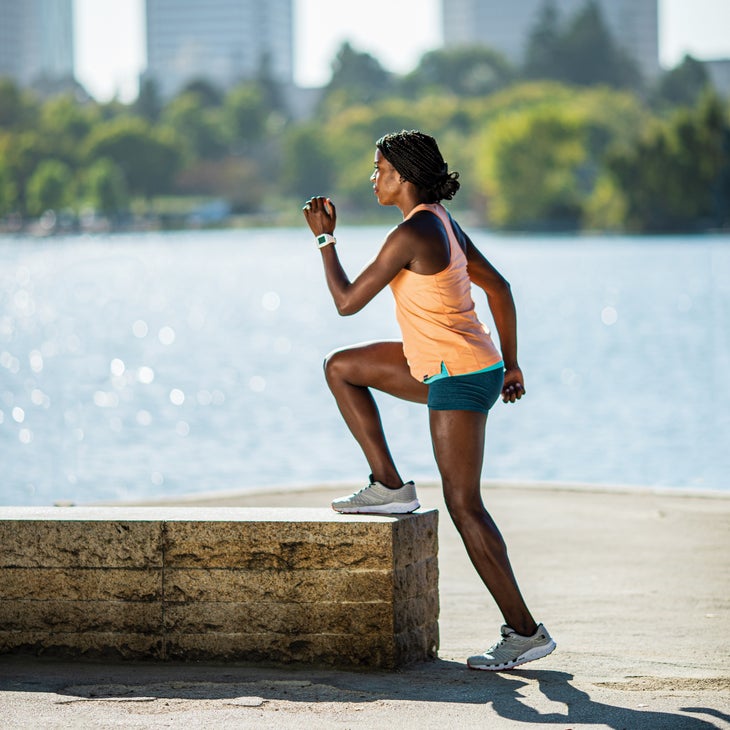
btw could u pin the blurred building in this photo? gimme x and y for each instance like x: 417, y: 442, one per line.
x: 223, y: 41
x: 506, y: 26
x: 36, y: 40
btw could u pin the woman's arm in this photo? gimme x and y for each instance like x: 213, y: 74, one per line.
x: 502, y: 306
x: 351, y: 296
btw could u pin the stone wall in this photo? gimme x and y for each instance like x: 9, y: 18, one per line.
x: 224, y: 584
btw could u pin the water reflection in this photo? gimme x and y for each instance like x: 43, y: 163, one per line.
x: 139, y: 366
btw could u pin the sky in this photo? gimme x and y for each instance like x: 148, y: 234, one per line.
x: 110, y: 37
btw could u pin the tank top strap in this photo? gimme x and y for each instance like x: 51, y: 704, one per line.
x: 432, y: 207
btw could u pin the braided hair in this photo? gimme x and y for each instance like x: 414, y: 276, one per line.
x: 416, y: 157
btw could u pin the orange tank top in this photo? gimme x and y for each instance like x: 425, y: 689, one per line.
x: 437, y: 317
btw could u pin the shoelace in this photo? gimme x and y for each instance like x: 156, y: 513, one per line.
x: 496, y: 646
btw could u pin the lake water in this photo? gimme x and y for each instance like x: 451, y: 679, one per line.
x: 151, y: 365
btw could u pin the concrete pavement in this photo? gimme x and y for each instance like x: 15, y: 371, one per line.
x: 633, y: 585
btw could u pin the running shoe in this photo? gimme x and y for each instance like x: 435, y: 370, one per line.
x: 377, y: 499
x: 513, y: 649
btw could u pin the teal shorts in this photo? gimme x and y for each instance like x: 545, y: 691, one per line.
x: 471, y: 392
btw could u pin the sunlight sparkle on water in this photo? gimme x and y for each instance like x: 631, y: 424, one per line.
x: 36, y: 361
x: 144, y: 418
x: 271, y: 301
x: 140, y: 329
x: 39, y: 398
x: 177, y: 397
x: 257, y: 384
x: 166, y: 335
x: 609, y: 316
x: 117, y: 367
x: 9, y: 362
x: 145, y: 375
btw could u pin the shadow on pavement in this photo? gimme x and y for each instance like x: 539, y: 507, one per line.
x: 510, y: 694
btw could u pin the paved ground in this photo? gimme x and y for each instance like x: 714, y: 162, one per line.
x: 634, y: 586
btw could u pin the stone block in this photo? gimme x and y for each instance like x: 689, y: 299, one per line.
x: 292, y: 618
x: 219, y: 584
x: 307, y: 586
x: 63, y: 543
x: 76, y: 584
x: 263, y: 546
x: 83, y: 645
x: 81, y: 616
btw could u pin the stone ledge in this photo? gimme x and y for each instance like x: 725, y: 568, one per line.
x: 231, y: 584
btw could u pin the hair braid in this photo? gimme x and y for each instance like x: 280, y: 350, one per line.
x: 417, y: 158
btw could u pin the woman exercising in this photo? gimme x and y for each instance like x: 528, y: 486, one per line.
x: 446, y: 360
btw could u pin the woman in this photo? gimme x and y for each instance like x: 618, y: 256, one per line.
x: 447, y: 360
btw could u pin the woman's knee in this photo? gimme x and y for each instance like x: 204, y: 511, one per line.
x: 463, y: 509
x: 336, y: 365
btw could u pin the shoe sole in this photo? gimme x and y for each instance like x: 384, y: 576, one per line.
x: 385, y: 509
x: 529, y: 656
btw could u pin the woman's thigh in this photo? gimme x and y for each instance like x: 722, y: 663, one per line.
x: 379, y: 365
x: 458, y: 446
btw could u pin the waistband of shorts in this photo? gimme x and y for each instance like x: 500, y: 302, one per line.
x: 446, y: 374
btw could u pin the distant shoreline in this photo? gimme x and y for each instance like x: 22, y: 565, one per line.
x: 191, y: 498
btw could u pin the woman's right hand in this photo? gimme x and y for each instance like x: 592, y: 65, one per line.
x: 321, y: 215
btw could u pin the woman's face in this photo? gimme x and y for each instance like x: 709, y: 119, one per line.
x: 386, y: 180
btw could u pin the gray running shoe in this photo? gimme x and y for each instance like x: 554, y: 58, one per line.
x: 513, y: 649
x: 377, y: 499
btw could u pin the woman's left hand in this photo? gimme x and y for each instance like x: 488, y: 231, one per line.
x: 320, y: 215
x: 514, y: 385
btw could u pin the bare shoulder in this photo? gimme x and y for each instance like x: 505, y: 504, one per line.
x: 424, y: 227
x: 426, y: 242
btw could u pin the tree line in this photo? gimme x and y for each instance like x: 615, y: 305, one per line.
x: 573, y: 138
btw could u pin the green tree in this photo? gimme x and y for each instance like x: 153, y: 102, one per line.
x: 149, y: 157
x: 8, y: 191
x: 104, y: 187
x: 200, y: 126
x: 209, y: 95
x: 684, y: 84
x: 22, y: 152
x: 246, y: 112
x: 543, y: 55
x: 308, y: 168
x: 269, y: 88
x: 357, y: 78
x: 148, y: 103
x: 677, y: 177
x: 530, y: 167
x: 583, y: 52
x: 237, y: 180
x: 591, y: 54
x: 49, y: 187
x: 466, y: 71
x: 17, y: 109
x: 67, y: 123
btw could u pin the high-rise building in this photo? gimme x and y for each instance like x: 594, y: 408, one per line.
x: 506, y: 26
x: 223, y: 41
x: 36, y: 40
